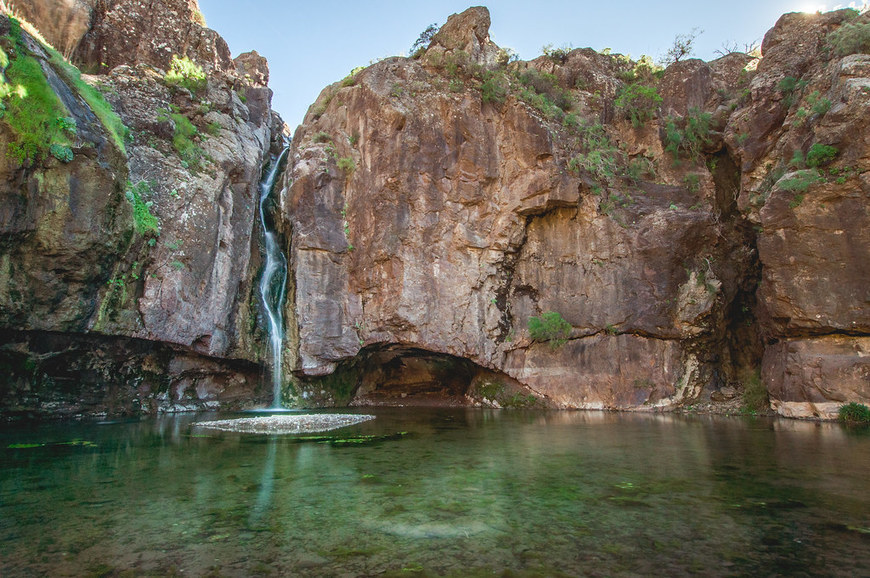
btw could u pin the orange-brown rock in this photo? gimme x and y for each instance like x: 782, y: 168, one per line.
x: 425, y: 214
x: 62, y: 23
x: 180, y: 298
x: 135, y: 32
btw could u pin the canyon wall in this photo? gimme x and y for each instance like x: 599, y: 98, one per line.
x: 127, y: 258
x: 577, y: 231
x: 693, y: 233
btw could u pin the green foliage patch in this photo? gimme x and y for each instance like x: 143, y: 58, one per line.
x: 800, y: 181
x: 33, y: 111
x: 143, y: 220
x: 854, y: 413
x: 550, y: 327
x: 494, y: 88
x: 93, y: 97
x: 820, y: 155
x: 850, y: 38
x: 346, y: 164
x: 547, y: 86
x: 191, y: 154
x: 186, y: 73
x: 755, y: 397
x: 601, y: 158
x: 638, y: 102
x: 688, y: 137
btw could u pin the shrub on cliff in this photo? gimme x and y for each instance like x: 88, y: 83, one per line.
x: 688, y: 137
x: 550, y: 327
x: 638, y: 103
x: 820, y: 155
x: 422, y: 42
x: 854, y: 413
x: 187, y: 74
x: 494, y: 88
x: 189, y: 152
x: 851, y: 38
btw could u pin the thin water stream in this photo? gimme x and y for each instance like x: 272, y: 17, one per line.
x: 273, y: 283
x: 438, y: 492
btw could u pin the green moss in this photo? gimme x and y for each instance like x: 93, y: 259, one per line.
x: 182, y: 141
x: 35, y: 113
x: 143, y: 220
x: 93, y: 97
x: 32, y: 110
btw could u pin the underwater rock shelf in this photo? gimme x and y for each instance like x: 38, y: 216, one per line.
x: 286, y: 424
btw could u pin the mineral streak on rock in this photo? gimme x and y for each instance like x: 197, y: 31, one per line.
x: 286, y: 424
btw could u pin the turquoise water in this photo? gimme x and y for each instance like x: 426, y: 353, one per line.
x: 447, y: 492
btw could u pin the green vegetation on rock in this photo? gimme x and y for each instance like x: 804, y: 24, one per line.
x: 93, y: 97
x: 550, y: 327
x: 820, y: 155
x: 755, y: 396
x: 33, y: 111
x: 854, y: 413
x: 41, y: 123
x: 143, y: 220
x: 191, y: 154
x: 346, y: 164
x: 688, y: 137
x: 185, y: 73
x: 600, y: 157
x: 850, y: 38
x: 638, y: 102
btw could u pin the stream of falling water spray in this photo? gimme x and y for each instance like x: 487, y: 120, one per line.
x: 273, y: 283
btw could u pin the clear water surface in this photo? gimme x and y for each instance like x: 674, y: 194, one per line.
x: 445, y: 492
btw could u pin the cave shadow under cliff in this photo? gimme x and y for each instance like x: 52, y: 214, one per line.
x: 404, y: 375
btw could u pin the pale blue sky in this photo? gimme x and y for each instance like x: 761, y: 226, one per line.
x: 312, y: 44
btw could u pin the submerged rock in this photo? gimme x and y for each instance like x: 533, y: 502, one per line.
x: 286, y: 424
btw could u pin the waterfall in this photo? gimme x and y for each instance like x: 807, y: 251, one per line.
x: 273, y: 283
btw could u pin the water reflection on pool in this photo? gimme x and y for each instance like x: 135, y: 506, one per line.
x: 438, y: 492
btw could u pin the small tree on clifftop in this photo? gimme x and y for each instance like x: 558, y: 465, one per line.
x: 423, y: 40
x: 683, y: 47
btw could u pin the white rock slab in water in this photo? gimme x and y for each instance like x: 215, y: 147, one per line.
x: 287, y: 424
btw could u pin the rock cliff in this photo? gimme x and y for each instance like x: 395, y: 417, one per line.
x: 128, y: 245
x: 692, y: 226
x: 577, y: 231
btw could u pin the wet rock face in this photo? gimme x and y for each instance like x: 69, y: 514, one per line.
x: 422, y: 214
x: 65, y: 375
x: 74, y: 256
x: 194, y: 281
